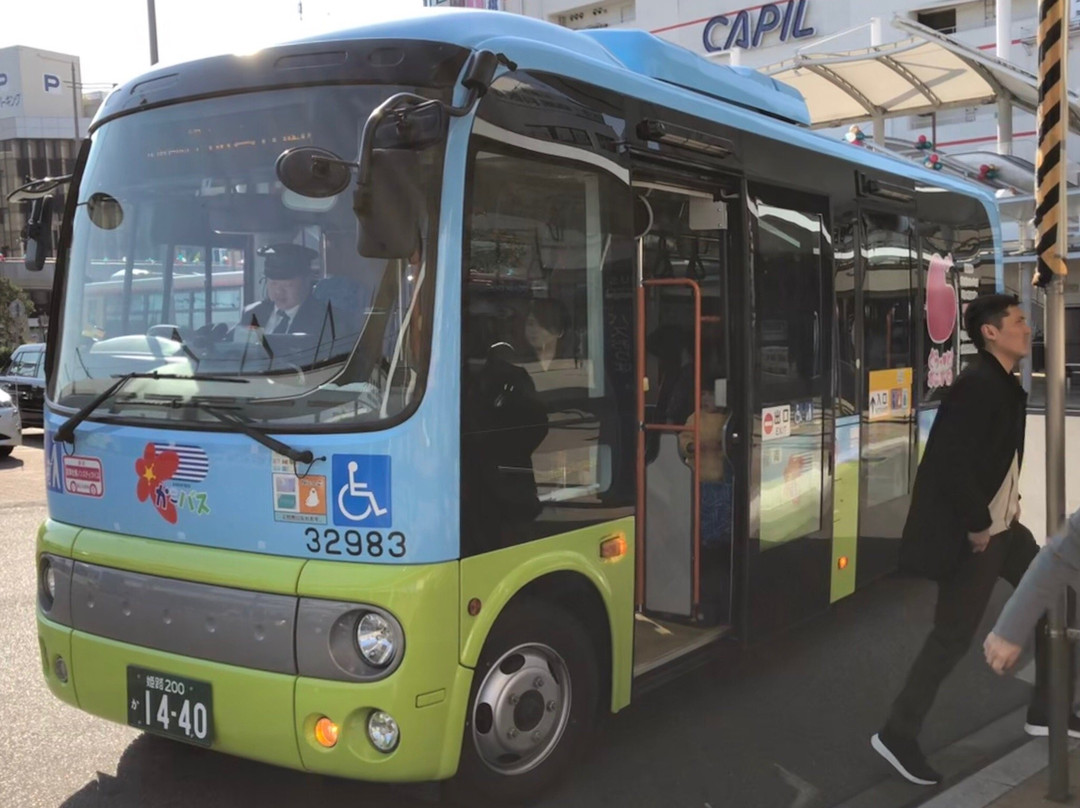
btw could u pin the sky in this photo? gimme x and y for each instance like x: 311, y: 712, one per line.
x: 111, y: 37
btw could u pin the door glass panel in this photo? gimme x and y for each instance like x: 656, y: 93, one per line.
x: 889, y: 353
x: 787, y: 253
x: 688, y: 240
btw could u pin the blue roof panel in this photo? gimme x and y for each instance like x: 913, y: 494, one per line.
x: 656, y: 58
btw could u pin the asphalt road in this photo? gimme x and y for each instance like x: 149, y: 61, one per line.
x: 784, y: 724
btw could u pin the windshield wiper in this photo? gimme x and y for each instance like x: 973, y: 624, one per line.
x: 66, y: 432
x: 305, y: 456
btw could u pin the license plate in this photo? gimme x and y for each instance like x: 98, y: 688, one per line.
x: 170, y: 705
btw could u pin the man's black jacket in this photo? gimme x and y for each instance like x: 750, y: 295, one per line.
x: 978, y: 428
x: 310, y: 318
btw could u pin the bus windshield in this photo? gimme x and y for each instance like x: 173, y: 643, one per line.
x: 189, y: 258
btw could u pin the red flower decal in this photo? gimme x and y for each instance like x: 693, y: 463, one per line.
x: 154, y: 470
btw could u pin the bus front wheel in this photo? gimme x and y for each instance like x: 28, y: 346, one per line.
x: 533, y: 705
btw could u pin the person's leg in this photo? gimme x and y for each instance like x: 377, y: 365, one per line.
x: 962, y: 599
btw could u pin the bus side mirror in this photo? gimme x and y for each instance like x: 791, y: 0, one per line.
x: 387, y: 205
x: 38, y: 234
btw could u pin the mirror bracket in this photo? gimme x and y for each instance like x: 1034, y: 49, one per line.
x: 36, y: 189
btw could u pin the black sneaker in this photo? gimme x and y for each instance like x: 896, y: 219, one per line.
x: 1038, y: 725
x: 905, y: 757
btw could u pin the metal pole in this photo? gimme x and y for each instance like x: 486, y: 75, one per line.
x: 877, y: 37
x: 1060, y: 708
x: 877, y: 32
x: 1003, y: 15
x: 75, y: 107
x: 1051, y: 218
x: 1027, y: 304
x: 152, y: 20
x: 1004, y: 126
x: 1004, y: 51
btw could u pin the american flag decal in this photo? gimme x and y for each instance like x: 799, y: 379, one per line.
x: 194, y: 464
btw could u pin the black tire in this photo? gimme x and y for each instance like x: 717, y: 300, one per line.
x: 522, y: 636
x: 5, y: 451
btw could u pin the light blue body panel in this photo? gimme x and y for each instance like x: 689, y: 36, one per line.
x: 230, y: 500
x: 236, y: 505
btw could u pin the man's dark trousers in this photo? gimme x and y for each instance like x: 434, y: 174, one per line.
x: 962, y: 600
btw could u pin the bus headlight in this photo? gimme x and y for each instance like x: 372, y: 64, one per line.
x: 375, y: 639
x: 48, y: 583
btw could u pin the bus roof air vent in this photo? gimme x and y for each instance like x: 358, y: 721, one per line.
x: 651, y: 56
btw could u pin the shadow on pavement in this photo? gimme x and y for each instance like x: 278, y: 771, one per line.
x: 159, y: 773
x: 10, y: 462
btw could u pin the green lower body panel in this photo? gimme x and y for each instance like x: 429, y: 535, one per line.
x: 845, y: 509
x: 55, y: 642
x: 270, y: 717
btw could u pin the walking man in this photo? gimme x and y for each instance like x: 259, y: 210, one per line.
x: 963, y: 526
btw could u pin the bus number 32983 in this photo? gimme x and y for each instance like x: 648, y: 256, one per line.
x: 371, y: 543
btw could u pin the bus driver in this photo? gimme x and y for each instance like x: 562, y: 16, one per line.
x: 289, y: 307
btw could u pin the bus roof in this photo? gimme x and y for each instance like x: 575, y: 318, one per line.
x: 630, y: 49
x: 597, y: 55
x: 633, y: 62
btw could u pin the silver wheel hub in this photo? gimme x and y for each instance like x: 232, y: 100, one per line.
x: 522, y: 709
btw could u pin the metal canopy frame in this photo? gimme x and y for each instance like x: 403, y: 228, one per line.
x: 923, y: 73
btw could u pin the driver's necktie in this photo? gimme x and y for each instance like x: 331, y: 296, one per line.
x: 282, y: 326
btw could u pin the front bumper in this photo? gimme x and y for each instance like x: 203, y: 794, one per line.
x: 267, y: 714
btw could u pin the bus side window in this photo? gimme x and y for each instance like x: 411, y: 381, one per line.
x: 541, y: 425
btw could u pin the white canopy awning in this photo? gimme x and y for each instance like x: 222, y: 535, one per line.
x: 926, y: 72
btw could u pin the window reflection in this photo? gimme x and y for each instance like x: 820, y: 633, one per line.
x: 547, y: 258
x: 787, y: 251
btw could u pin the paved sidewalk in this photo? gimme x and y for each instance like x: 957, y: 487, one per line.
x: 1018, y: 780
x: 22, y: 474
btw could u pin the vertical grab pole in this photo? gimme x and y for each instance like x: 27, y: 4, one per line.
x: 697, y: 449
x: 1051, y: 268
x: 695, y: 290
x: 639, y: 514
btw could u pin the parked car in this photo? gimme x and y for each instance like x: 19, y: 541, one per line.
x: 10, y: 425
x: 24, y: 379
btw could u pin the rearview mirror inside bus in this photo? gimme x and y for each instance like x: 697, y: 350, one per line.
x: 105, y: 211
x: 314, y: 172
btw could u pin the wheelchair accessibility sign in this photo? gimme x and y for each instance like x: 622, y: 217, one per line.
x: 360, y: 492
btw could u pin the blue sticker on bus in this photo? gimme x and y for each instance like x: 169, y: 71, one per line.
x: 54, y: 467
x: 361, y: 490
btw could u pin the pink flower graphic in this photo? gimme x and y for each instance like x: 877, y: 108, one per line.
x: 940, y: 299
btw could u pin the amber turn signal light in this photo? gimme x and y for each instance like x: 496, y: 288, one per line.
x: 614, y: 547
x: 326, y: 732
x: 842, y: 563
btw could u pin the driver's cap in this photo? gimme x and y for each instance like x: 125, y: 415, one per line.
x: 287, y: 260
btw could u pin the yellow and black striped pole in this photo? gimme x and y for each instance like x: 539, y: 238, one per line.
x: 1051, y: 219
x: 1053, y: 116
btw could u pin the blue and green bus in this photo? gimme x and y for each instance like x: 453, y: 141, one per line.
x: 594, y: 357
